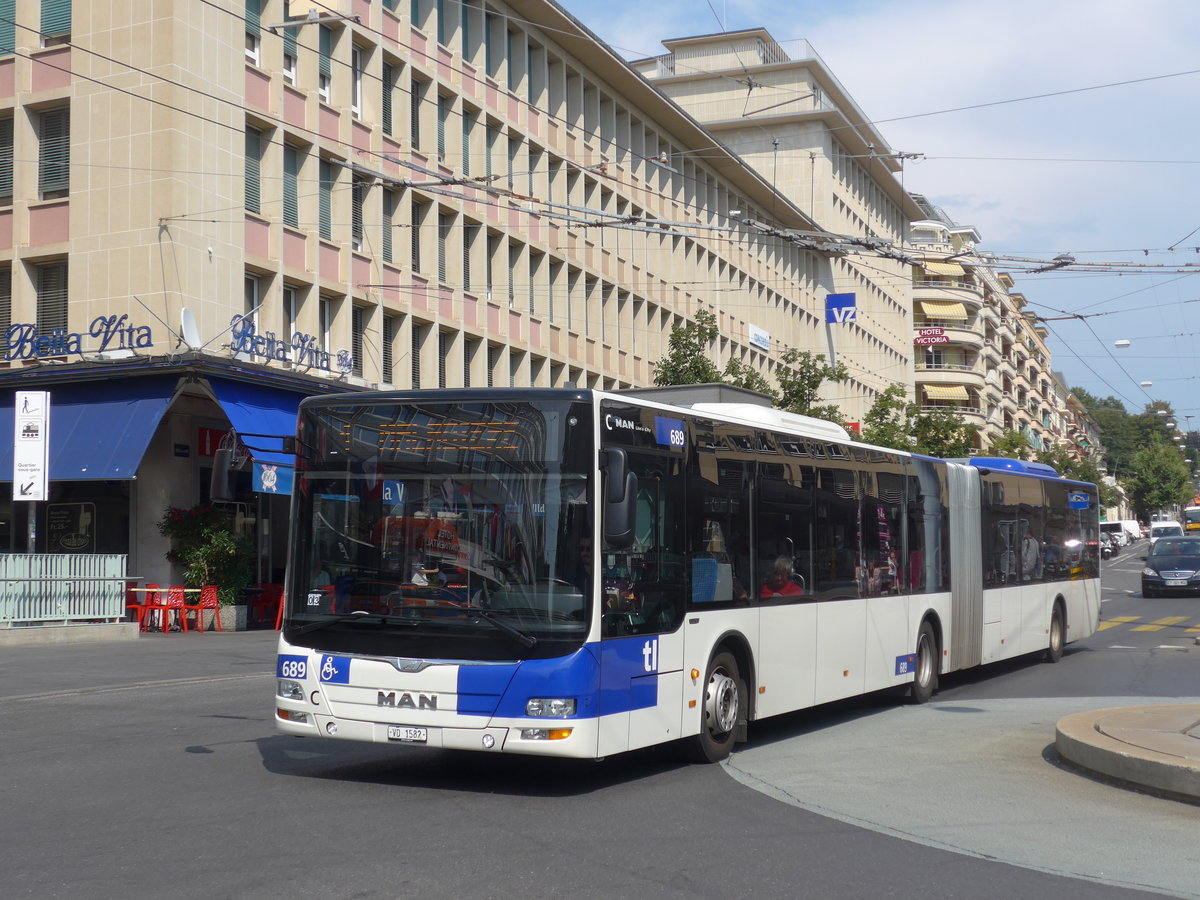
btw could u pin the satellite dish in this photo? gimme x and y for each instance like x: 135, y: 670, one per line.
x: 190, y: 333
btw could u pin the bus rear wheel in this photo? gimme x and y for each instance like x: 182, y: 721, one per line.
x: 1058, y: 631
x: 925, y: 665
x: 721, y: 710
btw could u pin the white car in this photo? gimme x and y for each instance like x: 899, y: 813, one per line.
x: 1164, y: 529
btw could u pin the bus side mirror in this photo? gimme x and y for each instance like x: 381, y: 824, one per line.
x: 620, y: 499
x: 220, y: 487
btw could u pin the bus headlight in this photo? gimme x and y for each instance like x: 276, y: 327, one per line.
x: 545, y: 734
x: 550, y: 707
x: 290, y: 690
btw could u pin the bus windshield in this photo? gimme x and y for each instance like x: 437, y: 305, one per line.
x: 442, y: 530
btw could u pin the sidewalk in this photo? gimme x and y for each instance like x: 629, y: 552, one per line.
x: 1152, y: 747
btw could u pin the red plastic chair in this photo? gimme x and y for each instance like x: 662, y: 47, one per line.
x: 210, y: 601
x: 265, y: 604
x: 139, y: 602
x: 176, y: 598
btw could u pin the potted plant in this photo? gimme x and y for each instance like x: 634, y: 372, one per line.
x: 205, y: 543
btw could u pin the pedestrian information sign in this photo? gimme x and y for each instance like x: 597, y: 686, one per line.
x: 31, y: 418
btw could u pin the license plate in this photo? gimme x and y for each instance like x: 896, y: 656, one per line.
x: 1176, y: 582
x: 407, y: 734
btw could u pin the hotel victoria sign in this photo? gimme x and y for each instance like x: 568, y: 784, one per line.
x: 107, y: 334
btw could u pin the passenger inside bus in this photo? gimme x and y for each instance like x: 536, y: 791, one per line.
x: 781, y: 580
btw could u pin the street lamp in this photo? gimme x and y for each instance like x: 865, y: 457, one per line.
x: 1121, y: 344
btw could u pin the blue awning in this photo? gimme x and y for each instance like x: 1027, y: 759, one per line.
x: 261, y: 416
x: 99, y: 431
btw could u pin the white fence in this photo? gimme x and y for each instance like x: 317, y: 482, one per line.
x: 61, y: 587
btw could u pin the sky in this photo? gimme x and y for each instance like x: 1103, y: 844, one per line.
x: 1107, y: 170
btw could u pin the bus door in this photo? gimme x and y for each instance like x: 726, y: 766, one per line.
x: 642, y: 599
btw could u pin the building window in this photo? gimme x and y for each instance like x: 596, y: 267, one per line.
x: 52, y: 297
x: 357, y: 319
x: 443, y: 114
x: 470, y: 233
x: 417, y: 97
x: 289, y: 55
x: 388, y: 356
x: 414, y: 354
x: 56, y: 22
x: 289, y: 303
x: 444, y: 339
x: 356, y: 76
x: 325, y: 314
x: 418, y: 216
x: 388, y: 83
x: 389, y: 220
x: 54, y: 153
x: 5, y: 307
x: 8, y: 27
x: 254, y: 288
x: 469, y: 350
x: 358, y: 198
x: 291, y: 181
x: 253, y: 31
x: 325, y: 200
x: 324, y: 63
x: 254, y: 143
x: 445, y: 223
x: 6, y: 161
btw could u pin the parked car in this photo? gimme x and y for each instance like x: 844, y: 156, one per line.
x: 1164, y: 529
x: 1134, y: 529
x: 1173, y: 566
x: 1116, y: 531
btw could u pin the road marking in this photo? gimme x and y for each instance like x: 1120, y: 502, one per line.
x: 1197, y: 628
x: 1160, y: 624
x: 1119, y: 620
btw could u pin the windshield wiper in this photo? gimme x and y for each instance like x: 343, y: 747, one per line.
x: 523, y: 638
x: 356, y: 616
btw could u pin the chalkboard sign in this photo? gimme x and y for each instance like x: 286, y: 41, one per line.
x: 71, y: 527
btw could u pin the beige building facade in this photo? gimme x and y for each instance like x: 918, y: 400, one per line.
x: 782, y: 110
x: 213, y: 211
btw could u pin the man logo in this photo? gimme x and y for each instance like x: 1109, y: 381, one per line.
x: 406, y: 701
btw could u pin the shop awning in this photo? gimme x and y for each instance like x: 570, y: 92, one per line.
x: 945, y: 392
x: 262, y: 417
x: 98, y: 431
x: 944, y: 309
x: 943, y: 268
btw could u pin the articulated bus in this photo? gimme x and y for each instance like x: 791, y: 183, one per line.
x: 579, y: 573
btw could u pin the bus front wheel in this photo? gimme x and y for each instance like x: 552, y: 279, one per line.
x: 721, y: 710
x: 925, y: 665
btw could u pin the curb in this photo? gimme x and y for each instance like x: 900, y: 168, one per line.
x: 1145, y: 746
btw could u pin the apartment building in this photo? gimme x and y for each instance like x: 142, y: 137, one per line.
x: 980, y: 351
x: 782, y: 110
x: 211, y: 210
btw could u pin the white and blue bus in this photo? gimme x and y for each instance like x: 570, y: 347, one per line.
x: 579, y: 573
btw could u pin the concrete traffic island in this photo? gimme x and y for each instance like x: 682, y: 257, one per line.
x: 1152, y: 747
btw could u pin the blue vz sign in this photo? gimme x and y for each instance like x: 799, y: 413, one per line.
x: 840, y: 308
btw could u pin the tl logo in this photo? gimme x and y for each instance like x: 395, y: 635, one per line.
x: 650, y: 655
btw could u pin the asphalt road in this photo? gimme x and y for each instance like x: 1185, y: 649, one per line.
x: 150, y: 769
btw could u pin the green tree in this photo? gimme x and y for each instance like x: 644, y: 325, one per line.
x: 801, y: 374
x: 739, y: 374
x: 687, y: 360
x: 895, y: 421
x: 942, y: 432
x: 1158, y: 478
x: 1011, y: 444
x: 888, y: 423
